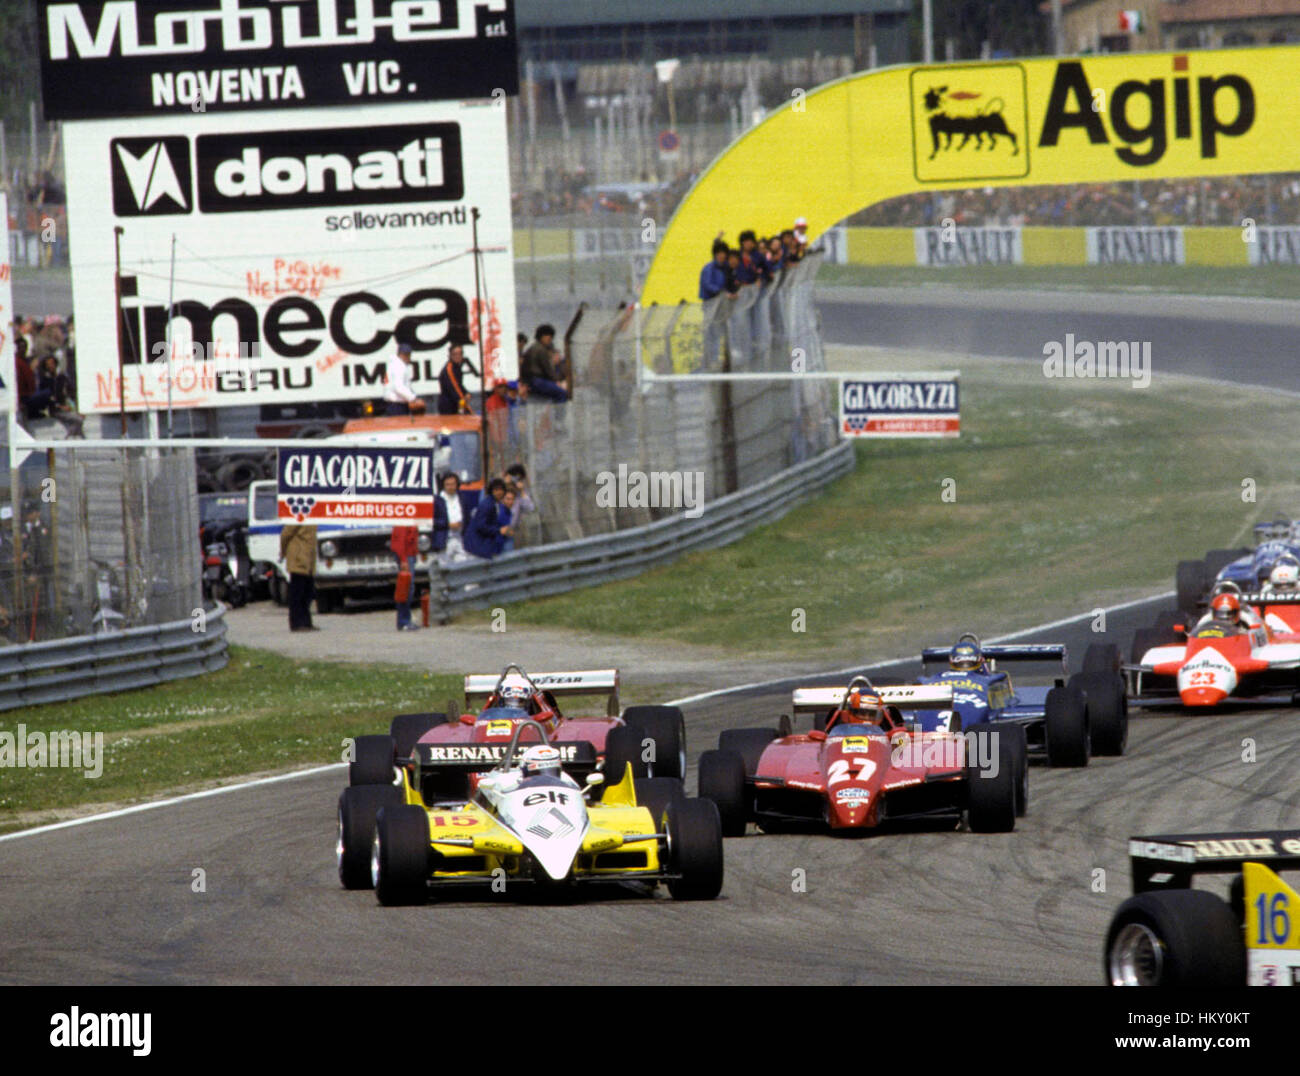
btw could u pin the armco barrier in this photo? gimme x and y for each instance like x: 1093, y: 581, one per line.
x: 564, y: 566
x: 115, y: 661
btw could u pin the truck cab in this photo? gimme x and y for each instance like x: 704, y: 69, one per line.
x: 354, y: 560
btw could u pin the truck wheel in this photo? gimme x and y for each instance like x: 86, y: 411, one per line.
x: 326, y: 602
x: 1107, y: 711
x: 1191, y: 581
x: 991, y: 796
x: 358, y: 808
x: 656, y: 793
x: 406, y: 729
x: 373, y: 760
x: 623, y: 748
x: 694, y: 850
x: 1068, y: 740
x: 722, y: 780
x: 1101, y: 657
x: 749, y: 744
x: 399, y: 856
x: 666, y: 727
x: 1175, y: 937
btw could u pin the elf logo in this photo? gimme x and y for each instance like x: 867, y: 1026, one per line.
x: 308, y: 169
x: 151, y: 176
x: 1224, y: 107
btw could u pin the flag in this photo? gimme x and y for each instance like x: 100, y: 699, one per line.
x: 1131, y: 21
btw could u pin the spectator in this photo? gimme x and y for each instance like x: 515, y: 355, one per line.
x: 753, y: 267
x: 518, y: 474
x: 54, y: 393
x: 733, y: 273
x: 451, y: 511
x: 405, y: 545
x: 509, y: 517
x: 399, y: 393
x: 298, y: 550
x: 538, y: 368
x: 713, y: 277
x: 26, y: 378
x: 488, y: 531
x: 801, y: 234
x: 453, y: 399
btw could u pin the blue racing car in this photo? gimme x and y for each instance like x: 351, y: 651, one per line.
x: 1069, y: 720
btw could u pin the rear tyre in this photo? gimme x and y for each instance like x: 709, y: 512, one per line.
x: 1101, y: 657
x: 656, y: 793
x: 1175, y: 937
x: 666, y: 727
x: 722, y: 780
x: 399, y: 856
x: 1146, y: 638
x: 358, y: 808
x: 1107, y: 711
x: 1019, y: 740
x: 373, y: 760
x: 992, y: 795
x: 749, y: 744
x: 1191, y: 581
x: 1068, y: 739
x: 1218, y: 559
x: 694, y: 850
x: 623, y: 748
x: 406, y: 730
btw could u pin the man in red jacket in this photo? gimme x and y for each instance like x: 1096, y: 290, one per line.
x: 405, y: 545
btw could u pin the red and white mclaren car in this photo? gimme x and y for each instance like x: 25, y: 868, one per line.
x: 864, y: 762
x: 1253, y: 657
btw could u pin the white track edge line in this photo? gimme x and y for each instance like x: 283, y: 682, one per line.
x: 189, y: 797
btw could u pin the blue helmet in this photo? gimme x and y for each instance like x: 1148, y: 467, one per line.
x: 965, y: 657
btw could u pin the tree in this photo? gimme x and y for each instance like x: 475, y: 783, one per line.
x: 19, y: 62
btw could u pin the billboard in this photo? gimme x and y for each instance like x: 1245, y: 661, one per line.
x: 8, y: 378
x: 159, y: 57
x: 884, y: 405
x: 308, y: 246
x: 330, y: 483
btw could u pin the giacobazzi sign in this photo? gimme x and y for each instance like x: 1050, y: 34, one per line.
x: 332, y: 483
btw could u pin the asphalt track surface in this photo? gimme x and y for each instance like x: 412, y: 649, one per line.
x: 110, y: 902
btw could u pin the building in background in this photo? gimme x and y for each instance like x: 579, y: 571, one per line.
x: 1207, y: 24
x: 1093, y: 26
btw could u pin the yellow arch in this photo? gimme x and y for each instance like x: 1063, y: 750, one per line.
x: 869, y: 137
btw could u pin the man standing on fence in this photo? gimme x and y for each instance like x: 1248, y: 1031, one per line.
x: 400, y: 397
x: 298, y: 550
x: 453, y: 399
x: 538, y: 369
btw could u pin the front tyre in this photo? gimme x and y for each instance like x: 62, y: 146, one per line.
x: 373, y: 761
x: 1068, y: 739
x: 665, y: 727
x: 358, y: 809
x: 399, y: 856
x: 992, y: 790
x: 694, y: 850
x: 722, y: 780
x: 1107, y: 712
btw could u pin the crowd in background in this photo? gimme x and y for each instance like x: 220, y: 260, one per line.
x: 752, y: 261
x: 45, y: 366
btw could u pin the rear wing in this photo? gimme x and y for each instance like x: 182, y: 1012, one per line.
x: 589, y: 682
x: 1025, y: 652
x: 1171, y: 861
x: 904, y: 696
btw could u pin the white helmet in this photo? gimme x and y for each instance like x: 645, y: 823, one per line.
x: 516, y: 694
x: 1285, y: 575
x: 540, y: 759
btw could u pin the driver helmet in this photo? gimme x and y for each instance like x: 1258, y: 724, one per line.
x: 1225, y: 608
x: 863, y: 704
x: 1285, y: 575
x: 514, y: 695
x: 541, y: 759
x: 965, y: 657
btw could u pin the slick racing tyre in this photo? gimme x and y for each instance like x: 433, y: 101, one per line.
x: 749, y: 744
x: 406, y: 730
x: 656, y: 793
x: 1101, y: 657
x: 694, y: 850
x: 399, y: 856
x: 372, y: 762
x: 358, y: 808
x: 722, y: 780
x: 992, y: 795
x: 1107, y: 711
x: 1218, y: 559
x: 666, y: 728
x: 1175, y: 937
x: 1192, y: 580
x: 1068, y: 738
x: 623, y: 748
x: 1019, y: 740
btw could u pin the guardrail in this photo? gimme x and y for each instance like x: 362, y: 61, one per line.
x: 115, y: 661
x: 564, y: 566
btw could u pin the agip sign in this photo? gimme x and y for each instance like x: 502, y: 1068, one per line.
x: 902, y: 130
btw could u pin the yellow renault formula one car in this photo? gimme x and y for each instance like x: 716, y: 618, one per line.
x: 528, y: 823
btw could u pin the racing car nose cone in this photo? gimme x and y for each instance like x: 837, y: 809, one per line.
x: 1203, y: 696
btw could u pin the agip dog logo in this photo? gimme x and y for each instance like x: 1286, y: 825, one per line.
x: 969, y: 123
